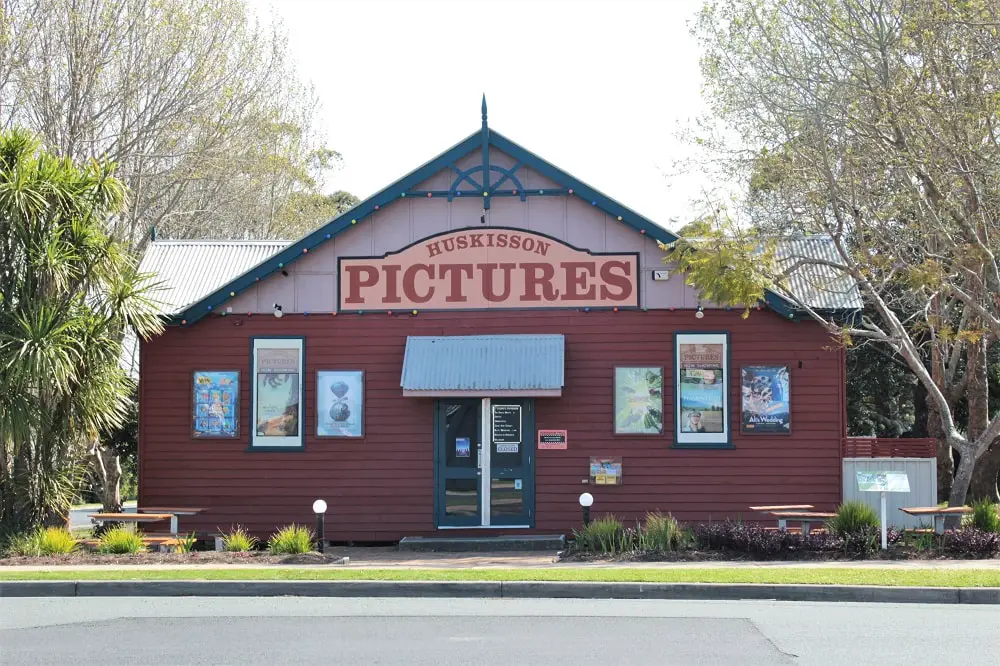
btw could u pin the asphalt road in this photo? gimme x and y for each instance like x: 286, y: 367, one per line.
x: 487, y: 632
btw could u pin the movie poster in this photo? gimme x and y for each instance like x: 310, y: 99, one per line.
x: 702, y: 388
x: 279, y: 390
x: 766, y: 400
x: 339, y: 403
x: 216, y: 396
x: 638, y: 401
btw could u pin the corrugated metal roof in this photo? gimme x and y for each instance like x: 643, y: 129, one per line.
x: 484, y: 363
x: 189, y: 270
x: 820, y: 286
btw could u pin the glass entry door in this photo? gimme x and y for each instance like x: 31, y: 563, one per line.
x: 458, y: 429
x: 485, y: 462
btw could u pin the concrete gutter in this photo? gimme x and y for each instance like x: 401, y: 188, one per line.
x: 503, y: 590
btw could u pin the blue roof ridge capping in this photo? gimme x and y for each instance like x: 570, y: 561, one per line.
x: 516, y: 362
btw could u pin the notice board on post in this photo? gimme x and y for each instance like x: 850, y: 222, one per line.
x: 887, y: 482
x: 506, y: 428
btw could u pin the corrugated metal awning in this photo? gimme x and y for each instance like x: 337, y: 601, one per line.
x: 484, y: 365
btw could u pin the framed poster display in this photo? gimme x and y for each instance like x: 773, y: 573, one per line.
x: 638, y: 400
x: 701, y: 362
x: 215, y: 412
x: 765, y: 398
x: 606, y: 471
x: 340, y: 403
x: 277, y: 392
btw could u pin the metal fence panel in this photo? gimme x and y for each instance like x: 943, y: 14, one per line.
x: 922, y: 473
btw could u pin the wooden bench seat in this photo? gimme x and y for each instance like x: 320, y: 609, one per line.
x: 160, y: 541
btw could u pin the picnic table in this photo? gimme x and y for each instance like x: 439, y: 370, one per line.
x: 938, y: 512
x: 782, y: 507
x: 804, y: 517
x: 173, y: 512
x: 134, y: 518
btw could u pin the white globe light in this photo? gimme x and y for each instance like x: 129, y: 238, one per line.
x: 279, y: 314
x: 319, y: 506
x: 586, y: 499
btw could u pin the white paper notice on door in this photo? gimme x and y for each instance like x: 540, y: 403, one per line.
x: 507, y: 448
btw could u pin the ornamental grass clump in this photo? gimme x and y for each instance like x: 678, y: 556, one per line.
x: 56, y: 541
x: 858, y: 526
x: 606, y: 535
x: 238, y: 540
x: 662, y: 533
x: 121, y: 540
x: 985, y: 517
x: 186, y: 543
x: 43, y: 541
x: 291, y: 540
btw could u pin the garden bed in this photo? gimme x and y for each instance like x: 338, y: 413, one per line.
x: 255, y: 558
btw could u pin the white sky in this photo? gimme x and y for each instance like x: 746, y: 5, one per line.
x: 600, y: 89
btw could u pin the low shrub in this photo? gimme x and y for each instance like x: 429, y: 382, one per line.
x: 661, y: 532
x: 291, y: 540
x: 972, y: 542
x: 23, y: 545
x: 121, y: 540
x: 858, y: 526
x: 238, y: 540
x: 606, y: 535
x: 853, y: 517
x: 748, y: 538
x: 186, y: 543
x: 984, y: 516
x: 56, y: 541
x: 43, y: 541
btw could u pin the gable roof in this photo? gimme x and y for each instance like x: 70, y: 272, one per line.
x: 465, y: 184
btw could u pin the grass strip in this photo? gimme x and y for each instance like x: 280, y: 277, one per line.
x: 770, y: 575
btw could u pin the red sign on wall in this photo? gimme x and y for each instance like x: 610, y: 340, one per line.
x: 552, y: 439
x: 481, y: 268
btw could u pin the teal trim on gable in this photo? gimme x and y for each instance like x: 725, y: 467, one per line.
x: 482, y: 139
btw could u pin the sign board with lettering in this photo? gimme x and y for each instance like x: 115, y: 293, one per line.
x: 506, y: 428
x: 552, y: 439
x: 488, y: 268
x: 883, y: 481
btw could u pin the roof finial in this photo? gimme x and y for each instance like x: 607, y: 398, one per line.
x: 484, y: 109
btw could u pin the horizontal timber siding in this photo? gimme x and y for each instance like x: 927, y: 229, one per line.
x: 381, y: 487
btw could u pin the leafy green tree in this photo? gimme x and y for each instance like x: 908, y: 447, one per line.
x: 874, y: 123
x: 67, y: 293
x: 198, y: 104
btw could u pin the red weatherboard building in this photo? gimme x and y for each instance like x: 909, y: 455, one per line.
x: 460, y: 354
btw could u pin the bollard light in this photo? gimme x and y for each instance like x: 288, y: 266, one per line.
x: 319, y: 508
x: 586, y: 500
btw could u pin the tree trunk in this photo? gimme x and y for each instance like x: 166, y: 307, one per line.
x: 985, y: 476
x: 963, y: 477
x: 977, y: 390
x: 108, y: 475
x: 945, y: 462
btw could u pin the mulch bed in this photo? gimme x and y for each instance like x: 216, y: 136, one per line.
x: 197, y: 557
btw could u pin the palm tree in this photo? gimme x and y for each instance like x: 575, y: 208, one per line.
x: 67, y: 293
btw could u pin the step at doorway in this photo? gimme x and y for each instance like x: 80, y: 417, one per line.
x: 529, y: 542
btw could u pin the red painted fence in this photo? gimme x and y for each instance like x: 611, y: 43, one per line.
x: 874, y: 447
